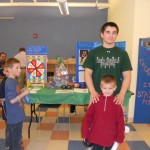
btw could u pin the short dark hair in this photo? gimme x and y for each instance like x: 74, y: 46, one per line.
x: 11, y: 61
x: 3, y: 53
x: 22, y: 49
x: 109, y: 24
x: 108, y: 79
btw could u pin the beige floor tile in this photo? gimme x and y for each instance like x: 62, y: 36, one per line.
x: 57, y: 145
x: 75, y: 127
x: 52, y: 110
x: 39, y: 135
x: 146, y: 136
x: 2, y: 133
x: 62, y: 127
x: 34, y: 126
x: 75, y: 135
x: 141, y: 127
x: 42, y: 113
x: 38, y: 145
x: 133, y: 136
x: 64, y: 113
x: 60, y: 135
x: 49, y: 119
x: 25, y: 134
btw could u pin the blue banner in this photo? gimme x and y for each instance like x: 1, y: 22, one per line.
x: 36, y: 50
x: 82, y: 50
x: 142, y: 101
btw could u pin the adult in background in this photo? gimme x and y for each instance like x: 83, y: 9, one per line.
x: 108, y: 59
x: 4, y: 113
x: 3, y: 57
x: 21, y: 56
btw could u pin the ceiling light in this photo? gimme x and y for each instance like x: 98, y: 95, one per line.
x: 6, y: 18
x: 63, y: 7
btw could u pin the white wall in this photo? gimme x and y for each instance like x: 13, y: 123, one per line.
x: 132, y: 16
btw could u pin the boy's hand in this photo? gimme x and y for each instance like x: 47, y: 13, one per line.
x: 22, y: 90
x: 115, y: 146
x: 26, y: 91
x: 2, y: 100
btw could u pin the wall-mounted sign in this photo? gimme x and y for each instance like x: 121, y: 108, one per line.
x: 142, y: 101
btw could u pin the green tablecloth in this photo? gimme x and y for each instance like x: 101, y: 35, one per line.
x: 48, y: 96
x: 127, y: 98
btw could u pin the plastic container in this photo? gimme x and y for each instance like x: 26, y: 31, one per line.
x: 27, y: 99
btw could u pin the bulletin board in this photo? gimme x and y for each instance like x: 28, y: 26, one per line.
x: 142, y: 101
x: 82, y: 51
x: 36, y: 64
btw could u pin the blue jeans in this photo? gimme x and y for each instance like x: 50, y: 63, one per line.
x: 99, y: 147
x: 15, y: 136
x: 7, y: 136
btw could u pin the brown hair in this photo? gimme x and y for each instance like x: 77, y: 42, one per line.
x: 109, y: 24
x: 11, y: 61
x: 3, y: 53
x: 108, y: 79
x: 22, y: 49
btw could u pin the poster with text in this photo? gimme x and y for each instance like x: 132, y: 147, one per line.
x: 142, y: 101
x: 36, y: 64
x: 82, y: 51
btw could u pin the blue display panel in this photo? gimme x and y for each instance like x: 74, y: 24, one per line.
x: 142, y: 101
x: 82, y: 50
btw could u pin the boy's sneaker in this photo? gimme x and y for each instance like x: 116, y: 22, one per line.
x: 6, y: 148
x: 88, y: 146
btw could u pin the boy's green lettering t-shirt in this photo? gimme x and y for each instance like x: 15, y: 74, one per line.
x: 104, y: 61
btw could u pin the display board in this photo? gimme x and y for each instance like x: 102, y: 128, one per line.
x: 82, y: 51
x: 142, y: 101
x: 36, y: 64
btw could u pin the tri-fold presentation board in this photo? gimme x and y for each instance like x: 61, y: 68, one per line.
x: 82, y: 51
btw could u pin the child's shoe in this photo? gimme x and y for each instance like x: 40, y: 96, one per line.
x: 6, y: 148
x: 88, y: 146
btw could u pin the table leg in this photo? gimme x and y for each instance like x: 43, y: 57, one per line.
x: 37, y: 118
x: 32, y: 111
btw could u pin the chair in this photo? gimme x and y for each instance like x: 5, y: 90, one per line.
x: 53, y: 106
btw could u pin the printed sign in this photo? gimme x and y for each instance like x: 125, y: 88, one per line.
x: 142, y: 101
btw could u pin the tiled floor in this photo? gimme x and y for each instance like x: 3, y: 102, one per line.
x: 50, y: 135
